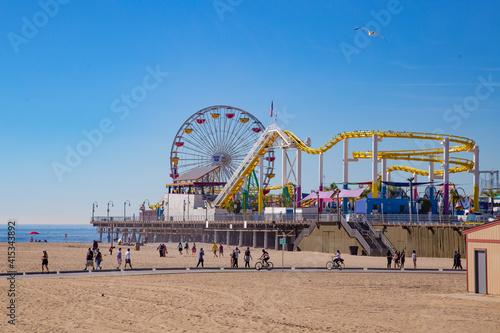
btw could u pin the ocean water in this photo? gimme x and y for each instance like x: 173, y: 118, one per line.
x: 82, y: 233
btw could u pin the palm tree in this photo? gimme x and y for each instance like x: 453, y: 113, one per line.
x: 491, y: 194
x: 455, y: 197
x: 332, y: 186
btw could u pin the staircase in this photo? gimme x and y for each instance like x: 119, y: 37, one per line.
x: 376, y: 242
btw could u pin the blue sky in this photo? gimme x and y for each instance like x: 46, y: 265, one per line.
x: 64, y: 66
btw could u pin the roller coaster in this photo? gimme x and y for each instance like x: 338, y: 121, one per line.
x: 273, y: 137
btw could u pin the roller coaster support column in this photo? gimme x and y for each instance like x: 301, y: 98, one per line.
x: 261, y: 183
x: 345, y: 179
x: 446, y: 176
x: 384, y: 178
x: 284, y: 189
x: 374, y: 165
x: 320, y: 185
x: 298, y: 191
x: 431, y: 180
x: 415, y: 189
x: 476, y: 179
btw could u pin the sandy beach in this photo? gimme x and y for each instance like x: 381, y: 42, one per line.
x: 247, y: 301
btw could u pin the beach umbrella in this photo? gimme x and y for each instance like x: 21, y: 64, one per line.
x: 33, y: 233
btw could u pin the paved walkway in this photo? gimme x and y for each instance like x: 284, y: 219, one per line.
x: 156, y: 271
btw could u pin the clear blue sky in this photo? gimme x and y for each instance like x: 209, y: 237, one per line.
x: 64, y: 68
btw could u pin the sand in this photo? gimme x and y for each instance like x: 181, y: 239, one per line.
x: 248, y: 301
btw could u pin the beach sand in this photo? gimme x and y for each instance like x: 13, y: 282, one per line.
x: 247, y: 301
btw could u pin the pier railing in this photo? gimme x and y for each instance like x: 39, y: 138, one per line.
x: 305, y: 219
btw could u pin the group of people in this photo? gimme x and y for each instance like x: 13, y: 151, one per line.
x: 457, y: 261
x: 92, y: 255
x: 219, y: 248
x: 186, y: 248
x: 162, y: 249
x: 398, y: 258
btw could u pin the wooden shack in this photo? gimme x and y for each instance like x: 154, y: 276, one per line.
x: 483, y: 258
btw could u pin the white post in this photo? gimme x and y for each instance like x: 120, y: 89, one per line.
x: 446, y: 177
x: 261, y: 185
x: 384, y: 178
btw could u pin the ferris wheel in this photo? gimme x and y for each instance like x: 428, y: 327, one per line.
x: 217, y: 136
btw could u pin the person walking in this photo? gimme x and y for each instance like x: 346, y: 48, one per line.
x: 236, y: 253
x: 221, y: 250
x: 119, y: 258
x: 200, y: 258
x: 214, y: 248
x: 247, y: 258
x: 180, y: 248
x: 90, y: 259
x: 414, y: 258
x: 45, y: 261
x: 98, y: 259
x: 389, y: 258
x: 193, y: 251
x: 396, y: 259
x: 160, y: 249
x: 402, y: 259
x: 127, y: 259
x: 186, y: 246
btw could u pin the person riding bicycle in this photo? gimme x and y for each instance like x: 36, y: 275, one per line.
x: 265, y: 256
x: 338, y: 258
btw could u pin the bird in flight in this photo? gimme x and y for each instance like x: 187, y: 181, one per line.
x: 371, y: 33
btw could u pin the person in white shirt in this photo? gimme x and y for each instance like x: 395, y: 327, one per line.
x: 127, y: 259
x: 337, y: 257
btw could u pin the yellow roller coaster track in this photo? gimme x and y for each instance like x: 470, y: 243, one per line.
x: 425, y: 155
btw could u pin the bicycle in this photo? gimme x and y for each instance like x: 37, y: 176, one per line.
x: 334, y: 264
x: 262, y: 264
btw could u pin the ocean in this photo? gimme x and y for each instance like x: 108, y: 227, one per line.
x: 53, y: 233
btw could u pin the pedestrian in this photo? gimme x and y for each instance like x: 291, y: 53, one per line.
x: 180, y: 248
x: 160, y: 249
x: 119, y: 258
x: 414, y: 258
x: 194, y: 249
x: 127, y: 259
x: 236, y: 253
x: 395, y: 257
x: 111, y: 250
x: 221, y: 250
x: 94, y: 246
x: 186, y: 246
x: 214, y: 248
x: 248, y: 256
x: 459, y: 261
x: 389, y: 258
x: 402, y: 259
x: 90, y: 259
x: 98, y: 259
x: 200, y: 258
x: 45, y: 261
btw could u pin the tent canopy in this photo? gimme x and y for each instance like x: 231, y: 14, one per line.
x: 341, y: 194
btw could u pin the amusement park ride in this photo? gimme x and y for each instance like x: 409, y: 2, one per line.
x: 222, y: 154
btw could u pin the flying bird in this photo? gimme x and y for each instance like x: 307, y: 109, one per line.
x: 371, y: 33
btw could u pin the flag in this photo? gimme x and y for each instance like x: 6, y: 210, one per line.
x: 271, y: 109
x: 275, y: 115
